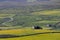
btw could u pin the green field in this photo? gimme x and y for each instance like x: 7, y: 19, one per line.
x: 23, y: 22
x: 36, y: 34
x: 38, y: 37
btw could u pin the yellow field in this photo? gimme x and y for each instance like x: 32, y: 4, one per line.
x: 6, y: 15
x: 50, y: 36
x: 23, y: 31
x: 48, y: 12
x: 38, y: 37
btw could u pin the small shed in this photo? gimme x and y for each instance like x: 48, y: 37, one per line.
x: 37, y: 27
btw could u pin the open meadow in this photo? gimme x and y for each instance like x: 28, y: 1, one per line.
x: 22, y: 26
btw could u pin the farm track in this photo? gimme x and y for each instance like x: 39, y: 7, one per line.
x: 13, y: 36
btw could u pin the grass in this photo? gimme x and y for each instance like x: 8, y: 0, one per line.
x: 38, y: 37
x: 25, y: 31
x: 50, y: 36
x: 48, y: 12
x: 6, y: 15
x: 47, y: 22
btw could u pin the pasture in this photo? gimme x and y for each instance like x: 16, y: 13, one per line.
x: 31, y: 34
x: 22, y: 24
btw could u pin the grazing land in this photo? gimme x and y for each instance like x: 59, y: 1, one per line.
x: 20, y: 23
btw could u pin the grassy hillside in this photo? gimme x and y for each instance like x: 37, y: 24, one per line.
x: 23, y: 22
x: 39, y: 37
x: 25, y: 31
x: 18, y: 22
x: 29, y: 18
x: 54, y: 12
